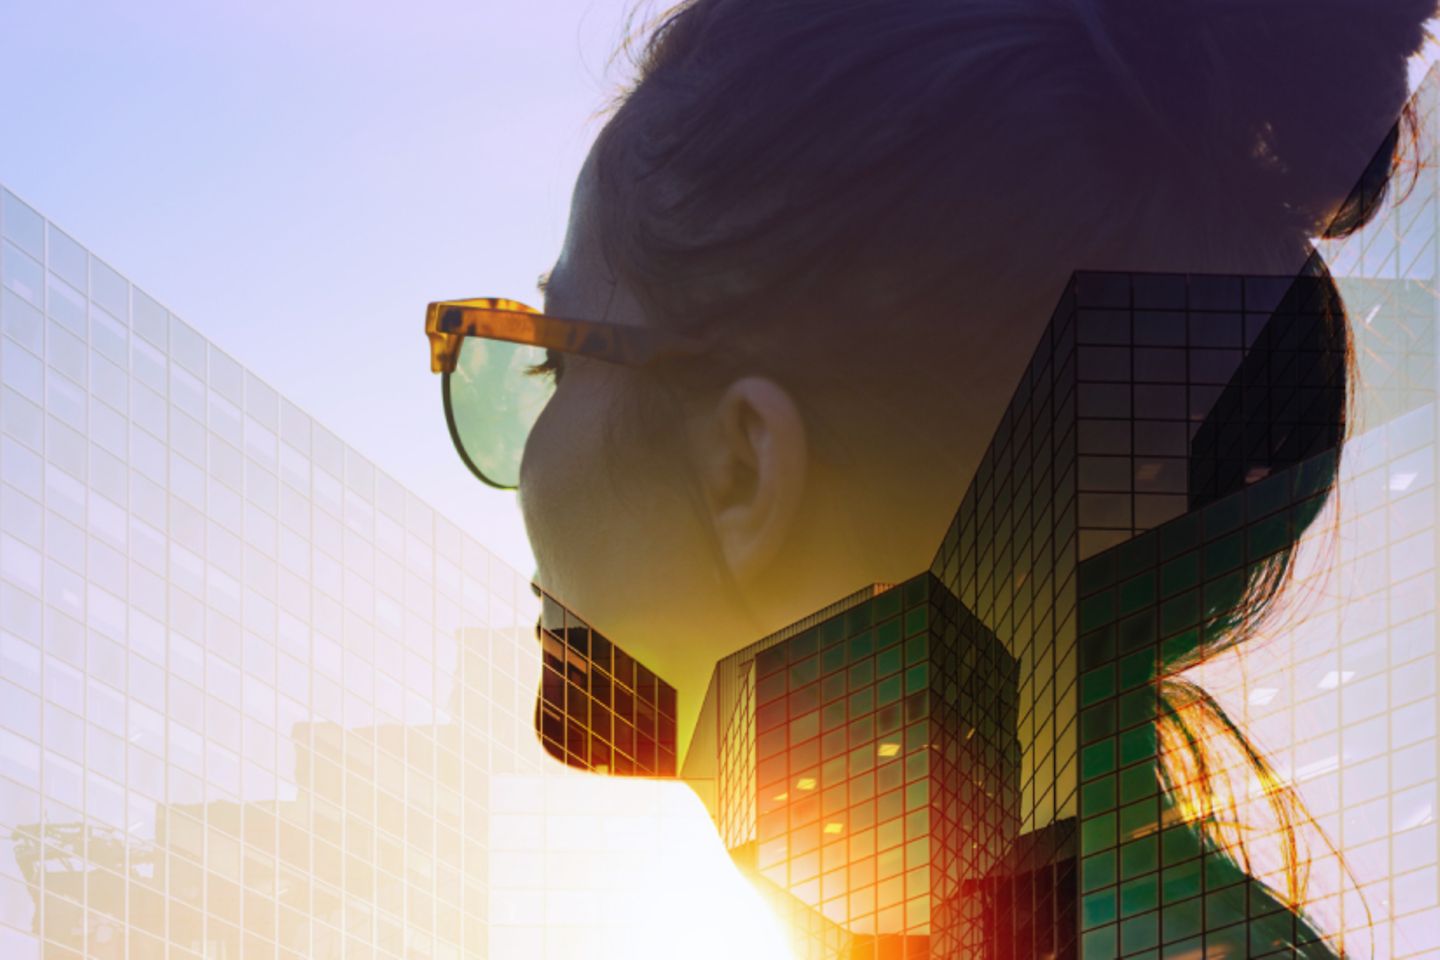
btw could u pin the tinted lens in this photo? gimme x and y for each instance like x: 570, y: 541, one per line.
x: 491, y: 402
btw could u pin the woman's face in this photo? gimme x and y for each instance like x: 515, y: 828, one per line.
x: 616, y: 536
x: 686, y: 524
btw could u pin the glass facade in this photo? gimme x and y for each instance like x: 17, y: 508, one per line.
x: 258, y: 700
x: 1168, y: 688
x: 255, y: 694
x: 600, y: 709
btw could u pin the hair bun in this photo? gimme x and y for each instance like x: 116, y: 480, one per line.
x: 1284, y: 100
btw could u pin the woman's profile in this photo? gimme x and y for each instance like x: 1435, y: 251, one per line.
x: 811, y: 253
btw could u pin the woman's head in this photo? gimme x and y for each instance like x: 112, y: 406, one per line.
x: 873, y: 205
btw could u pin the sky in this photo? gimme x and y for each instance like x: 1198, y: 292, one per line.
x: 297, y: 180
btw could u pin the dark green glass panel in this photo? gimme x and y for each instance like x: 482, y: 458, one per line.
x: 832, y: 659
x: 1305, y: 512
x: 917, y: 677
x: 1268, y: 536
x: 1097, y: 760
x: 1100, y: 944
x: 1139, y: 856
x: 1140, y: 895
x: 862, y: 673
x: 1097, y: 833
x: 1182, y: 612
x: 888, y: 690
x: 1180, y: 882
x: 1137, y: 632
x: 916, y: 620
x: 1139, y: 819
x: 1269, y: 495
x: 1220, y: 871
x: 917, y: 648
x: 1138, y: 782
x: 859, y: 617
x: 1227, y: 553
x: 888, y: 633
x: 1096, y: 722
x: 1175, y: 648
x: 1224, y: 592
x: 1314, y: 476
x: 1180, y: 843
x: 1097, y: 871
x: 915, y: 590
x: 1140, y: 933
x: 887, y: 605
x: 1097, y: 610
x: 1097, y: 647
x: 1097, y: 909
x: 1137, y: 745
x: 1097, y: 685
x: 1135, y: 555
x: 1097, y: 797
x: 1181, y: 534
x: 1224, y: 907
x: 805, y: 643
x: 889, y: 659
x: 862, y: 645
x: 1224, y: 516
x: 1139, y: 707
x: 1137, y: 593
x: 1180, y: 574
x: 1137, y: 669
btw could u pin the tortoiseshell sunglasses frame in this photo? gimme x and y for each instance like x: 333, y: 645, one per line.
x: 448, y: 322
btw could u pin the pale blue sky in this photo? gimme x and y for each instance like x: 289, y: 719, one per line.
x: 297, y: 178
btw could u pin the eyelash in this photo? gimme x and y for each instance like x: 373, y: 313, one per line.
x: 550, y: 365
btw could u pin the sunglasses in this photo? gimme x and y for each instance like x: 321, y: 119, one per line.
x: 496, y: 360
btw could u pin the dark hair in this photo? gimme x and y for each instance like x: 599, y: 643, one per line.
x: 778, y: 161
x: 806, y: 171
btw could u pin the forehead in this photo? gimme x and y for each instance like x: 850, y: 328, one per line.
x: 581, y: 284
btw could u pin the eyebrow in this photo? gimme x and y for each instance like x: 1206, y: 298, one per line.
x: 542, y: 282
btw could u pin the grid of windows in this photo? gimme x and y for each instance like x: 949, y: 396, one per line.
x: 1160, y: 412
x: 600, y: 709
x: 881, y: 734
x: 254, y: 692
x: 252, y: 689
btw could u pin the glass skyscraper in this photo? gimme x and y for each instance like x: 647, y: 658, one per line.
x: 257, y: 700
x: 255, y: 694
x: 1079, y: 734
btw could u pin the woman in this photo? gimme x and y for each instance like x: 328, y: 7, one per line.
x: 857, y: 216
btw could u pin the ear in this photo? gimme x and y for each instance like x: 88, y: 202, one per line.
x: 753, y: 471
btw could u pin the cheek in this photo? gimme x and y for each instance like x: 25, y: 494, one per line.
x: 609, y: 524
